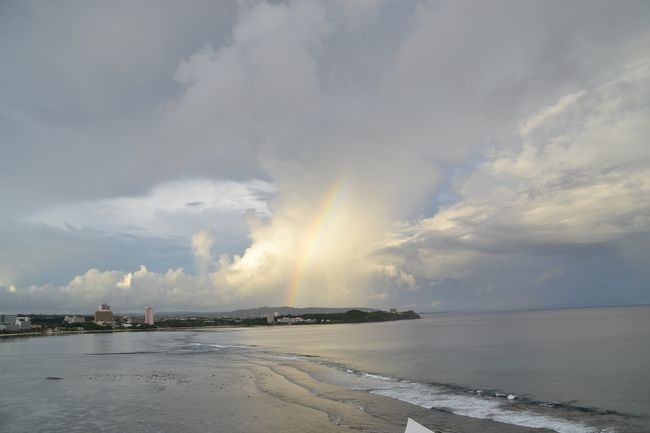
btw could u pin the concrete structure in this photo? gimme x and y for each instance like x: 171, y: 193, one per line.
x: 74, y: 319
x: 290, y: 320
x: 148, y: 316
x: 8, y: 319
x: 270, y: 319
x: 11, y: 322
x: 104, y: 316
x: 293, y: 320
x: 24, y: 323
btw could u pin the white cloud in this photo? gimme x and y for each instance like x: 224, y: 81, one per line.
x: 170, y: 210
x: 580, y: 175
x: 126, y: 281
x: 202, y: 243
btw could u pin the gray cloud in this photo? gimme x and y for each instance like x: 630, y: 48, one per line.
x: 484, y: 155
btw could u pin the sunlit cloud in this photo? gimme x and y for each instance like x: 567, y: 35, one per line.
x: 339, y: 153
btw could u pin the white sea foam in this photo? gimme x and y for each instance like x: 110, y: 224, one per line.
x: 475, y: 406
x: 285, y: 357
x: 378, y: 377
x: 215, y: 346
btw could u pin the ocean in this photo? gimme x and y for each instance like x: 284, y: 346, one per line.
x: 581, y: 370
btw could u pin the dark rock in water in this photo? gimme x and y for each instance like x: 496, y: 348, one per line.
x: 53, y: 378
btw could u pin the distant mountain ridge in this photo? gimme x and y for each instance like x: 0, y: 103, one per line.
x: 262, y: 311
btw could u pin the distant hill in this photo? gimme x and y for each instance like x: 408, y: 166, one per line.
x: 262, y: 311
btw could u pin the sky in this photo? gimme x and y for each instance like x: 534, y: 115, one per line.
x: 426, y: 155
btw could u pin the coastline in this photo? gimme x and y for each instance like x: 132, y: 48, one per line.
x: 202, y: 388
x: 295, y: 383
x: 290, y: 366
x: 312, y: 319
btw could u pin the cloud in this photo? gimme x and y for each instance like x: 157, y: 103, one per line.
x: 579, y: 175
x: 550, y: 274
x: 83, y: 292
x: 202, y: 243
x: 390, y: 153
x: 171, y: 209
x: 126, y: 281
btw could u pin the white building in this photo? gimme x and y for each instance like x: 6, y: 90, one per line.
x: 24, y: 323
x: 74, y: 319
x: 290, y: 320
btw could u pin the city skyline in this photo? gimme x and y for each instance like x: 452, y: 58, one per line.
x: 420, y: 155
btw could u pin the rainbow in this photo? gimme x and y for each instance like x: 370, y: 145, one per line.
x: 311, y: 237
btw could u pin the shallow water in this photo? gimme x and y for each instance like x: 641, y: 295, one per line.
x: 574, y: 371
x: 596, y: 357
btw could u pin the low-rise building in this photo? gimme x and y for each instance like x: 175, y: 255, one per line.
x: 290, y: 320
x: 24, y: 324
x: 9, y: 327
x: 74, y: 319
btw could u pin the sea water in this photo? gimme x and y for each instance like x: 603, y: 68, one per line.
x: 571, y: 370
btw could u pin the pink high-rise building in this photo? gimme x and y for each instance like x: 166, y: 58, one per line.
x: 148, y: 316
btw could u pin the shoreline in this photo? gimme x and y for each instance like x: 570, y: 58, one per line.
x: 56, y: 326
x: 211, y: 380
x: 349, y: 364
x: 178, y: 329
x: 205, y: 388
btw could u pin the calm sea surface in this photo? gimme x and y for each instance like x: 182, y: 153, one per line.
x: 597, y: 358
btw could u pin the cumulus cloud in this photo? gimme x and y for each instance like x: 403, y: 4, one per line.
x: 126, y: 281
x: 384, y: 153
x: 174, y: 288
x: 579, y: 174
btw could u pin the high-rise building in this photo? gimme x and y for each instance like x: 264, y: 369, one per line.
x: 148, y: 316
x: 8, y: 319
x: 104, y: 316
x: 8, y: 322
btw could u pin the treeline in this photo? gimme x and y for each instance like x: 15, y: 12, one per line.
x: 358, y: 316
x: 218, y: 321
